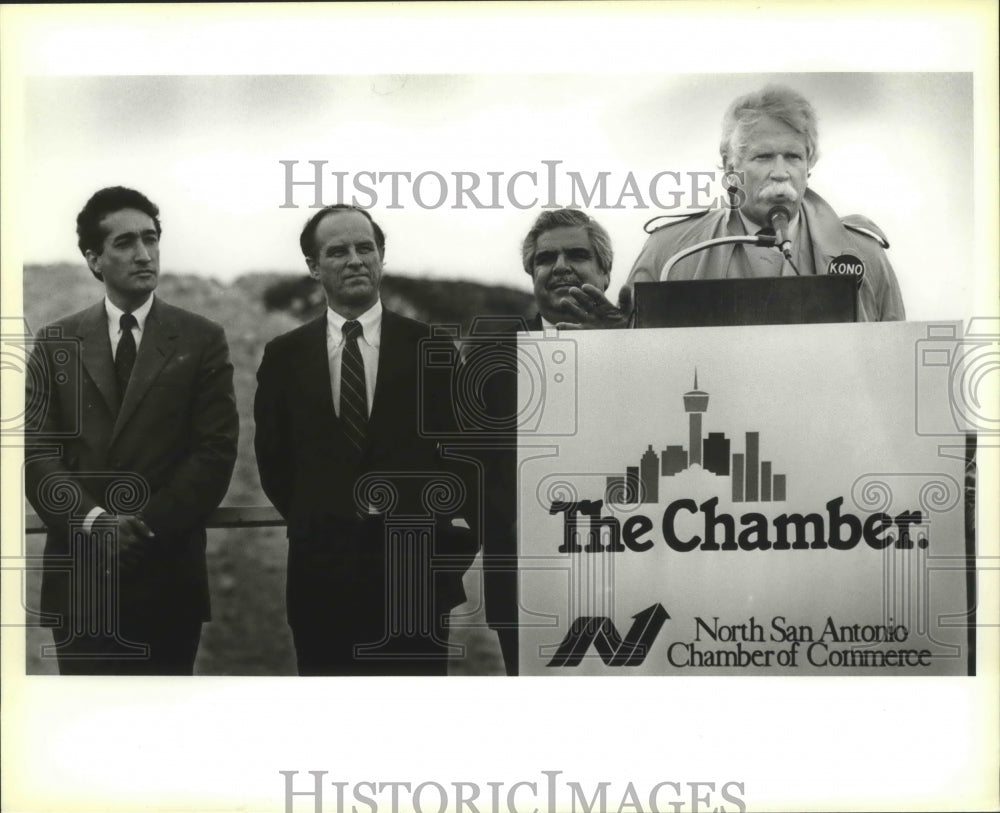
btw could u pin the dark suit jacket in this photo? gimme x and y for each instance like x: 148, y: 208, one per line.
x: 309, y: 473
x: 168, y: 452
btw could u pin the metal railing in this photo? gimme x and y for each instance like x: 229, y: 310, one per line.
x: 251, y: 516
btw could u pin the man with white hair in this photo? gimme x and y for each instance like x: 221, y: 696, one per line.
x: 768, y: 148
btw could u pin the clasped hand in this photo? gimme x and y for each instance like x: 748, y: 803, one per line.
x: 131, y: 531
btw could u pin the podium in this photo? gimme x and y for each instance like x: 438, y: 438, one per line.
x: 739, y: 501
x: 754, y: 301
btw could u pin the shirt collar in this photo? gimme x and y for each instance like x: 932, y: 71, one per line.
x: 115, y: 313
x: 370, y: 320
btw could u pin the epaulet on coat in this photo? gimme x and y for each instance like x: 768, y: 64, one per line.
x: 862, y: 225
x: 671, y: 220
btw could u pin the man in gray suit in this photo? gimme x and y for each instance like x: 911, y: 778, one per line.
x: 130, y: 449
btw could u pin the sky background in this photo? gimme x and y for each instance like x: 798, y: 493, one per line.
x: 896, y: 147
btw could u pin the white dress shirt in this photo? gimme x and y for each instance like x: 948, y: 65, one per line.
x: 114, y: 314
x: 368, y: 344
x: 114, y: 322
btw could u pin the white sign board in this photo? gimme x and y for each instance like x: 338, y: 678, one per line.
x: 777, y: 501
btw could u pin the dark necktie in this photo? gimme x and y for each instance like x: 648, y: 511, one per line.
x: 125, y: 357
x: 353, y: 397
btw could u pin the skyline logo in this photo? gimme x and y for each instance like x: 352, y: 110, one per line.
x: 686, y: 524
x: 752, y: 479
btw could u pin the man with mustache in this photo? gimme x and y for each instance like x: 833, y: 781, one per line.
x: 568, y: 256
x: 768, y: 147
x: 338, y: 409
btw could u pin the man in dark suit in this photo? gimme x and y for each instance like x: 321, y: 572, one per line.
x: 132, y: 446
x: 568, y: 256
x: 376, y: 549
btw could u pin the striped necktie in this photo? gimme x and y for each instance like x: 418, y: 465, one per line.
x: 353, y: 397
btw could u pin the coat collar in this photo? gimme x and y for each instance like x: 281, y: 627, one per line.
x: 158, y: 344
x: 395, y: 360
x: 818, y: 221
x: 314, y: 367
x: 92, y: 330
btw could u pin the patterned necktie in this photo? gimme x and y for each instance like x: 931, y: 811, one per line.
x: 125, y: 357
x: 353, y: 397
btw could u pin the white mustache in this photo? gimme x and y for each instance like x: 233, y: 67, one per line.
x: 776, y: 189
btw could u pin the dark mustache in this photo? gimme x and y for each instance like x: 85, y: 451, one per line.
x: 564, y: 279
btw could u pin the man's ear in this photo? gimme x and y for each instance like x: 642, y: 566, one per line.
x: 313, y: 267
x: 92, y: 257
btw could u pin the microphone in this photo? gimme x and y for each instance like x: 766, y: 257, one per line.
x: 778, y: 218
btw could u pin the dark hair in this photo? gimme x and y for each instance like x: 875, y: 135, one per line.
x: 307, y: 239
x: 553, y: 219
x: 89, y: 232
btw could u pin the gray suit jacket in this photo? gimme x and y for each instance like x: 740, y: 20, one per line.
x: 167, y: 452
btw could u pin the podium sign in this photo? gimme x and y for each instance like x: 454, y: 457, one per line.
x: 746, y: 501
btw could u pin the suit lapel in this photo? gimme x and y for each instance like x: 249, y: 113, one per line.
x: 394, y: 360
x: 96, y: 352
x: 313, y: 371
x: 159, y: 342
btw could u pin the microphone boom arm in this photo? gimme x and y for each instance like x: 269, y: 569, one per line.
x: 765, y: 240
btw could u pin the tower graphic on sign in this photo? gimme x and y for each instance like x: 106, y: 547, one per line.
x: 695, y: 403
x: 751, y: 479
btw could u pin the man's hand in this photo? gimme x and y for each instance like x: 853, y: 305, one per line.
x: 132, y: 530
x: 593, y: 310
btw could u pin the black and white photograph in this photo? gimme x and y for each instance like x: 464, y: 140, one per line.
x: 363, y: 365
